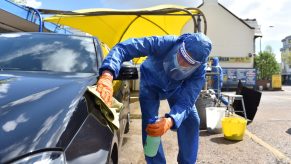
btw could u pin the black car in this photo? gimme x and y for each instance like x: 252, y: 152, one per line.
x: 46, y: 113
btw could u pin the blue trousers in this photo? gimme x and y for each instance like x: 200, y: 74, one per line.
x: 188, y: 132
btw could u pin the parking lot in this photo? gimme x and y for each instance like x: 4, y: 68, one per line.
x: 267, y: 139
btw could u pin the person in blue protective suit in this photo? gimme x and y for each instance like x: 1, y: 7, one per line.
x: 174, y: 70
x: 218, y: 80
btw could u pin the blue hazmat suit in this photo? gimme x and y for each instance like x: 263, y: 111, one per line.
x: 156, y: 85
x: 218, y: 79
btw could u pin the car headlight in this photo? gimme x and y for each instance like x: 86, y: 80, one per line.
x: 49, y: 157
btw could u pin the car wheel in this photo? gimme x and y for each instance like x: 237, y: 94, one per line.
x: 114, y: 152
x: 126, y: 129
x: 114, y: 156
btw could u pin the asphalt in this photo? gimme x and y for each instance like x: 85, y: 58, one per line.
x: 213, y: 148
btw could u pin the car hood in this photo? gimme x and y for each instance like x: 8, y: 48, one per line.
x: 35, y: 109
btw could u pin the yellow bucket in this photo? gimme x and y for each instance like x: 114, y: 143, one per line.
x: 234, y: 128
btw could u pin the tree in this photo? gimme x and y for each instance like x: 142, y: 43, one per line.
x: 266, y: 64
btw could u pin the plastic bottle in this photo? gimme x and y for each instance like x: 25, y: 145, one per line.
x: 152, y: 143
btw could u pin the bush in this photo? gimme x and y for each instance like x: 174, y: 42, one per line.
x: 266, y: 64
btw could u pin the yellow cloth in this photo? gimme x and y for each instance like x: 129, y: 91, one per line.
x: 110, y: 114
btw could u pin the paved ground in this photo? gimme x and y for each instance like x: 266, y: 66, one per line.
x: 268, y: 139
x: 273, y: 121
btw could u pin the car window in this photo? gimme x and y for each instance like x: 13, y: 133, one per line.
x: 47, y: 52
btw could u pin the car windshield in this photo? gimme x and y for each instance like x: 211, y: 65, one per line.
x: 47, y: 52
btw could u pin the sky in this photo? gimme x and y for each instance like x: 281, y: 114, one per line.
x: 271, y: 15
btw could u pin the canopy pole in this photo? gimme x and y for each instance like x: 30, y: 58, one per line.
x: 165, y: 11
x: 192, y: 16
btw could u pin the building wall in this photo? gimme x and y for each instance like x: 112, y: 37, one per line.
x: 286, y: 68
x: 230, y: 36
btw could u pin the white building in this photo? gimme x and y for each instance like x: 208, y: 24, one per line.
x: 233, y: 38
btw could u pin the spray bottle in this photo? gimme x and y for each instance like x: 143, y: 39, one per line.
x: 152, y: 143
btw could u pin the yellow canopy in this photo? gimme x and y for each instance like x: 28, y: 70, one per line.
x: 112, y: 26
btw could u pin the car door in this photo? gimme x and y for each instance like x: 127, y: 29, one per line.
x: 93, y: 141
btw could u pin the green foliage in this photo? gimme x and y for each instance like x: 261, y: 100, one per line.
x: 266, y: 64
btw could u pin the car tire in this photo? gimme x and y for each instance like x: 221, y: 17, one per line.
x: 126, y: 129
x: 114, y: 151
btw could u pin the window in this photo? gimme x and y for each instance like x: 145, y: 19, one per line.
x: 47, y: 52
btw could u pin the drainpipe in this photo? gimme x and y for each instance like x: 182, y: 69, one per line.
x: 199, y: 23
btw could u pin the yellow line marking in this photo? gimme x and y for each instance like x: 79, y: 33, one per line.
x: 133, y: 99
x: 276, y: 152
x: 135, y: 116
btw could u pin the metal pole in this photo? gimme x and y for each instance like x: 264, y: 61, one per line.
x: 199, y: 23
x: 40, y: 29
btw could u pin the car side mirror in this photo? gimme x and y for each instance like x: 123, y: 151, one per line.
x: 127, y: 72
